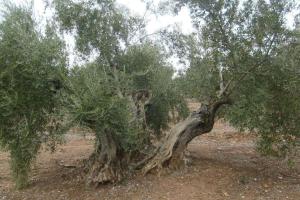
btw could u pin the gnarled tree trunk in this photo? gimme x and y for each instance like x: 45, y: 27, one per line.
x: 170, y: 152
x: 106, y: 164
x: 109, y: 162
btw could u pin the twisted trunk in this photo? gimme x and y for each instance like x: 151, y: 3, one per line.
x: 171, y: 150
x: 106, y: 164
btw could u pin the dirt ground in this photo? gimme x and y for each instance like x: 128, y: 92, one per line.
x: 224, y: 166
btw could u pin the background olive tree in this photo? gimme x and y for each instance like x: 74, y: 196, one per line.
x: 32, y: 65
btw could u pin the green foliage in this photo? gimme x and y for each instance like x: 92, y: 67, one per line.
x: 201, y: 80
x: 31, y: 64
x: 95, y: 104
x: 147, y: 70
x: 167, y: 103
x: 99, y: 26
x: 140, y: 62
x: 273, y: 96
x: 247, y: 47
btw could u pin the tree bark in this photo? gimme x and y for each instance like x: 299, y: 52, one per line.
x: 170, y: 152
x: 106, y: 164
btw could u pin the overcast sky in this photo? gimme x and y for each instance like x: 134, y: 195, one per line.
x: 138, y: 7
x: 154, y: 23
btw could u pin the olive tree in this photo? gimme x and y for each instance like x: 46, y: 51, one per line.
x: 243, y: 55
x: 30, y: 78
x: 125, y: 95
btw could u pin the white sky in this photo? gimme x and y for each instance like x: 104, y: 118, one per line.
x: 154, y: 23
x: 183, y: 19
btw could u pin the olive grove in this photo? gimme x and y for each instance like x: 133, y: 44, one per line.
x: 243, y: 65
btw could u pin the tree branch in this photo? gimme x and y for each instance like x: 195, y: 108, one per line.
x: 216, y: 105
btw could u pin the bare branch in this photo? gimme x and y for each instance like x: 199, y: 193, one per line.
x: 216, y: 105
